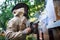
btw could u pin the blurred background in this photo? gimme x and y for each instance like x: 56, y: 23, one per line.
x: 47, y: 12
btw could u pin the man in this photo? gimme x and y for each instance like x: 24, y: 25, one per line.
x: 17, y: 27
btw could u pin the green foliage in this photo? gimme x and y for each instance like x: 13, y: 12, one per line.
x: 30, y: 37
x: 2, y: 38
x: 4, y: 16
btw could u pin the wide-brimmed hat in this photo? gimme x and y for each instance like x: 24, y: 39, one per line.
x: 21, y: 5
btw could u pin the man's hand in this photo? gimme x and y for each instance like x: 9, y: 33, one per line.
x: 27, y: 30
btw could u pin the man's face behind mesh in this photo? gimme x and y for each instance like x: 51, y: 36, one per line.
x: 19, y: 12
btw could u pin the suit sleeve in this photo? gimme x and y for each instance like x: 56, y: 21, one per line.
x: 11, y: 32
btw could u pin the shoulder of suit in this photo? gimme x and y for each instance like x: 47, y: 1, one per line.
x: 14, y: 19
